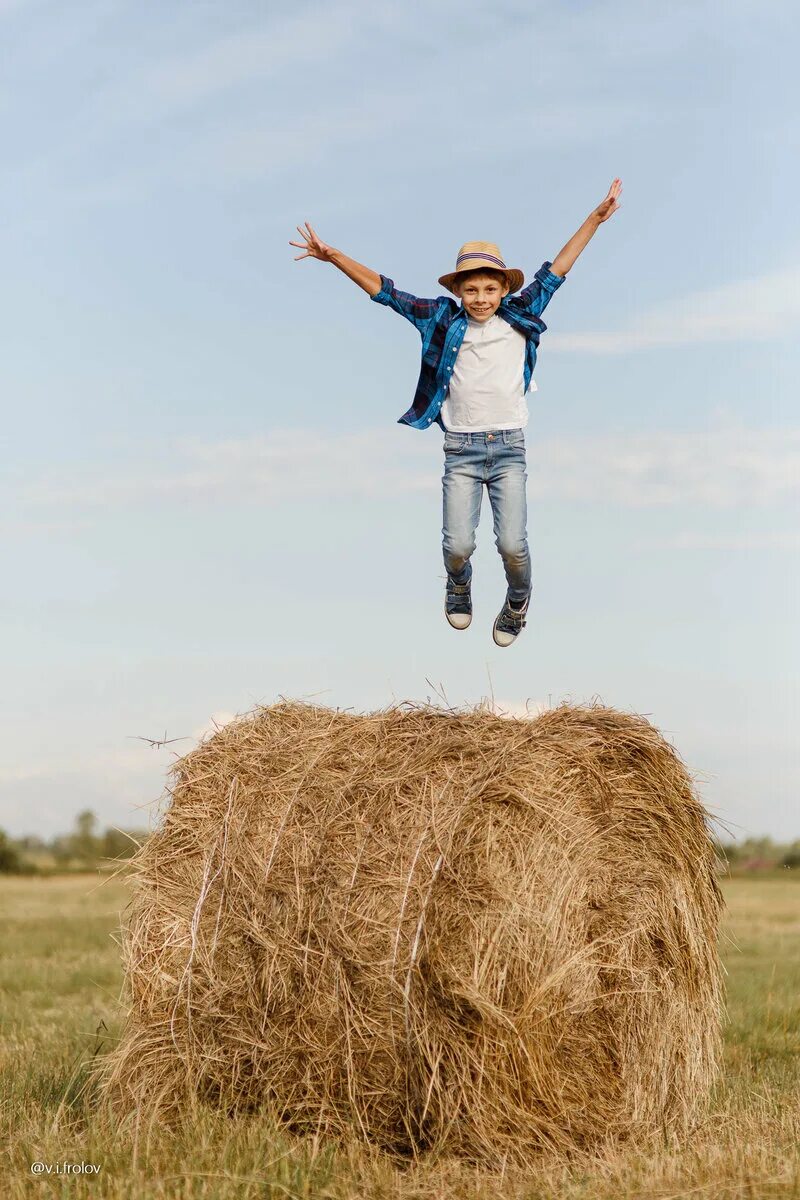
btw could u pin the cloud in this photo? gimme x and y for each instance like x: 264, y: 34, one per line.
x: 761, y: 539
x: 10, y: 6
x: 287, y: 90
x: 320, y: 32
x: 122, y: 783
x: 217, y: 721
x: 265, y: 468
x: 284, y: 46
x: 266, y: 148
x: 241, y: 103
x: 719, y: 468
x: 757, y: 309
x: 114, y: 761
x: 517, y: 710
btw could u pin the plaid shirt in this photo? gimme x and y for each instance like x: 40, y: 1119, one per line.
x: 442, y: 324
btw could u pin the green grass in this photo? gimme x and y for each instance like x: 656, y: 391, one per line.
x: 60, y: 987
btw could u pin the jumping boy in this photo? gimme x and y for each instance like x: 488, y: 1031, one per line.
x: 477, y: 371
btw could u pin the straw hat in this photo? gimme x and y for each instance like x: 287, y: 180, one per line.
x: 482, y: 254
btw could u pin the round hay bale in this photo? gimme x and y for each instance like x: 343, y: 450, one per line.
x: 437, y: 929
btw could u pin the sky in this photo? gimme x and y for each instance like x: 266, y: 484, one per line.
x: 206, y: 502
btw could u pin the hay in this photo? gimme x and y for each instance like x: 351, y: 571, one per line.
x: 437, y: 929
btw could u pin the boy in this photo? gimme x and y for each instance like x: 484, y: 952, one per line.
x: 477, y: 367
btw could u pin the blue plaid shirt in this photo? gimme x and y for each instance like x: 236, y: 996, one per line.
x: 442, y: 324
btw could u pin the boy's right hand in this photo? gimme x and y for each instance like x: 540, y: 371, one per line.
x: 313, y: 246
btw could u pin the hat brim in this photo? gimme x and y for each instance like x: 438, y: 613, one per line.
x: 514, y: 277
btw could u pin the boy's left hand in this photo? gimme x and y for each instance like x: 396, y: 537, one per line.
x: 610, y: 204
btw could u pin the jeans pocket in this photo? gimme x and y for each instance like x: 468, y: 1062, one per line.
x: 454, y: 443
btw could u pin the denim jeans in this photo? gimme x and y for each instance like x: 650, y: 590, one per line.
x: 496, y: 459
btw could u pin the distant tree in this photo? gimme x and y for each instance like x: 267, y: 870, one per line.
x: 32, y: 842
x: 731, y: 852
x: 756, y: 847
x: 84, y: 824
x: 792, y: 856
x: 61, y: 850
x: 84, y: 844
x: 12, y: 861
x: 121, y: 844
x: 754, y: 854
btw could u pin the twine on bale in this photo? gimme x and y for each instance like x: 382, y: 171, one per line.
x: 437, y: 929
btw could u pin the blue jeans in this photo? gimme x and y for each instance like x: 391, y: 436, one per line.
x: 496, y: 459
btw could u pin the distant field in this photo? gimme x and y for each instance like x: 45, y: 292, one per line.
x: 60, y: 984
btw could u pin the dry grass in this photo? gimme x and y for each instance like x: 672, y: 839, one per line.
x: 442, y: 932
x: 60, y: 976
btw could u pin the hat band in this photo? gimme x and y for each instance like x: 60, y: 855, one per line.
x: 479, y: 254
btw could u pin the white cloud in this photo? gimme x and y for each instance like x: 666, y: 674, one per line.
x: 122, y: 760
x: 720, y: 468
x: 217, y: 721
x: 516, y: 710
x: 761, y: 539
x: 284, y: 45
x: 286, y: 91
x: 304, y: 139
x: 758, y: 309
x: 123, y: 784
x: 240, y: 95
x: 278, y: 47
x: 368, y: 463
x: 10, y: 6
x: 166, y: 88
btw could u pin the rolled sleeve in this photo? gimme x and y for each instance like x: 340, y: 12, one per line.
x: 419, y: 311
x: 384, y: 296
x: 536, y: 296
x: 547, y: 279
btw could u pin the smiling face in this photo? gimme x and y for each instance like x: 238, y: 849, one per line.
x: 481, y: 292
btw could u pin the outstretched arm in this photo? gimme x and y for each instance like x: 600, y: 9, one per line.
x: 416, y: 310
x: 314, y: 247
x: 579, y: 241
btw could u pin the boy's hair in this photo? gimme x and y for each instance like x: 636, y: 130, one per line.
x: 500, y: 276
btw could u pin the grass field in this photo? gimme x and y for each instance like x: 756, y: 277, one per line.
x: 60, y: 987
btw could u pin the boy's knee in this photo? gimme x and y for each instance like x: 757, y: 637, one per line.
x: 457, y: 554
x: 513, y: 549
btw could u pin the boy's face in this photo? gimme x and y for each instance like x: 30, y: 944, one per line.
x: 480, y: 294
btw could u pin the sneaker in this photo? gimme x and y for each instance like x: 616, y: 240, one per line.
x: 509, y: 623
x: 458, y: 604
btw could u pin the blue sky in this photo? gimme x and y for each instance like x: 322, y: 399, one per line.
x: 206, y: 500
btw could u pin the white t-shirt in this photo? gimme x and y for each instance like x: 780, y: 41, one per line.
x: 486, y: 386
